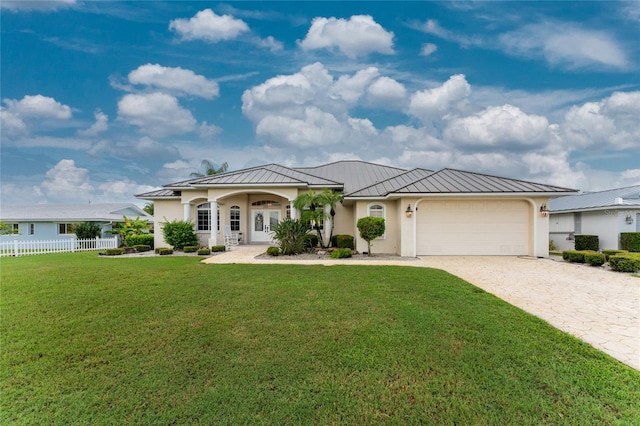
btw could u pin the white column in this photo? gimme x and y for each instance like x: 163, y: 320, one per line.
x: 294, y: 213
x: 213, y: 241
x: 186, y: 211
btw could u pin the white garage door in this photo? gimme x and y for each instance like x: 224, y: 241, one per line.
x: 473, y: 228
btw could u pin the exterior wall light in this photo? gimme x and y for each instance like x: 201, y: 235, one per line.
x: 408, y: 212
x: 544, y: 211
x: 629, y: 219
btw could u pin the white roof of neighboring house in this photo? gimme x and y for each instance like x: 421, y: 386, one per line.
x: 360, y: 179
x: 110, y: 212
x: 613, y: 198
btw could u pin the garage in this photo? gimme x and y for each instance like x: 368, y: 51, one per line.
x: 473, y: 227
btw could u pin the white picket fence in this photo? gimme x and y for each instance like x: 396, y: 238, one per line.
x: 17, y: 247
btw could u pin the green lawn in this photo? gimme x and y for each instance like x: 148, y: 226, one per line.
x: 167, y: 340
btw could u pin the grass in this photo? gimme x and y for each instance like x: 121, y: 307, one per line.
x: 89, y: 340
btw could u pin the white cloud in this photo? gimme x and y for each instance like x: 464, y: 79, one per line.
x: 208, y: 131
x: 387, y: 92
x: 566, y: 45
x: 438, y: 102
x: 36, y: 6
x: 428, y: 49
x: 65, y: 180
x: 177, y: 81
x: 38, y: 106
x: 157, y: 114
x: 357, y: 36
x: 269, y: 43
x: 314, y: 128
x: 432, y: 26
x: 101, y: 124
x: 350, y: 88
x: 12, y: 124
x: 207, y: 25
x: 502, y: 126
x: 610, y: 123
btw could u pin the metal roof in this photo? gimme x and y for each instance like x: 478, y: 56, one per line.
x: 620, y: 197
x: 458, y: 181
x: 391, y: 185
x: 268, y: 174
x: 160, y: 193
x: 354, y: 174
x: 71, y: 212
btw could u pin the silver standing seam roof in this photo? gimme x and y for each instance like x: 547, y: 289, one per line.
x: 359, y: 179
x: 612, y: 198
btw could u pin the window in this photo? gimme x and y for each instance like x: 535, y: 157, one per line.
x: 377, y: 210
x: 234, y: 218
x: 266, y: 203
x: 15, y: 228
x: 31, y: 229
x: 287, y: 211
x: 204, y: 217
x: 65, y: 228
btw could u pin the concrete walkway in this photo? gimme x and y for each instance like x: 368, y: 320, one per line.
x: 600, y: 307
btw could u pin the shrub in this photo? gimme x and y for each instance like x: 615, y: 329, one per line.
x: 370, y: 228
x: 630, y: 241
x: 594, y: 259
x: 608, y: 253
x: 141, y: 247
x: 575, y: 256
x: 113, y: 252
x: 310, y: 241
x: 163, y: 251
x: 625, y: 262
x: 343, y: 241
x: 138, y: 239
x: 552, y: 246
x: 341, y: 253
x: 587, y: 242
x: 87, y: 230
x: 273, y: 251
x: 179, y: 233
x: 217, y: 249
x: 290, y: 234
x: 204, y: 252
x: 190, y: 249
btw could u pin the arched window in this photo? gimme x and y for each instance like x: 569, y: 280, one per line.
x: 266, y: 203
x: 234, y: 218
x: 377, y: 210
x: 204, y: 217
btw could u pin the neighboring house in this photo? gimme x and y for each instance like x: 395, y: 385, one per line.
x: 55, y: 221
x: 449, y: 212
x: 604, y: 213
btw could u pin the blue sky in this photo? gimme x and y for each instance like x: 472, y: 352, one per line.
x: 103, y: 100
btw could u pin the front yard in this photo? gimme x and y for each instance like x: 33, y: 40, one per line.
x: 167, y: 340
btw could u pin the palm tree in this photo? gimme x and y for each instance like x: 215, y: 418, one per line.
x: 210, y: 169
x: 331, y: 199
x: 311, y: 208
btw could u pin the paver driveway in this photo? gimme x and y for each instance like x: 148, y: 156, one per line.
x: 598, y: 306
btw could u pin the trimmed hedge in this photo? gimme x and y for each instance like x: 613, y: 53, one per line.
x: 141, y: 247
x: 217, y: 249
x: 587, y: 242
x: 580, y: 256
x: 608, y: 253
x: 630, y: 241
x: 625, y: 262
x: 204, y: 252
x: 163, y: 251
x: 310, y: 241
x: 594, y: 259
x: 113, y: 252
x: 273, y: 251
x: 343, y: 241
x: 137, y: 240
x: 341, y: 253
x: 190, y: 249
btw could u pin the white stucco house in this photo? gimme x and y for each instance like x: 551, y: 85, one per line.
x: 446, y: 212
x: 603, y: 213
x: 55, y: 221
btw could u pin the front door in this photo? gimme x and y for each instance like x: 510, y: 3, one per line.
x: 262, y: 222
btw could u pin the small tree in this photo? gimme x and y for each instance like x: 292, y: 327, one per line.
x: 331, y: 199
x: 311, y: 208
x: 7, y: 229
x: 291, y: 235
x: 370, y: 228
x: 148, y: 208
x: 179, y: 233
x: 87, y: 230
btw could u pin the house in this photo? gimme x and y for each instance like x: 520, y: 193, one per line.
x: 448, y: 212
x: 604, y: 213
x: 55, y: 221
